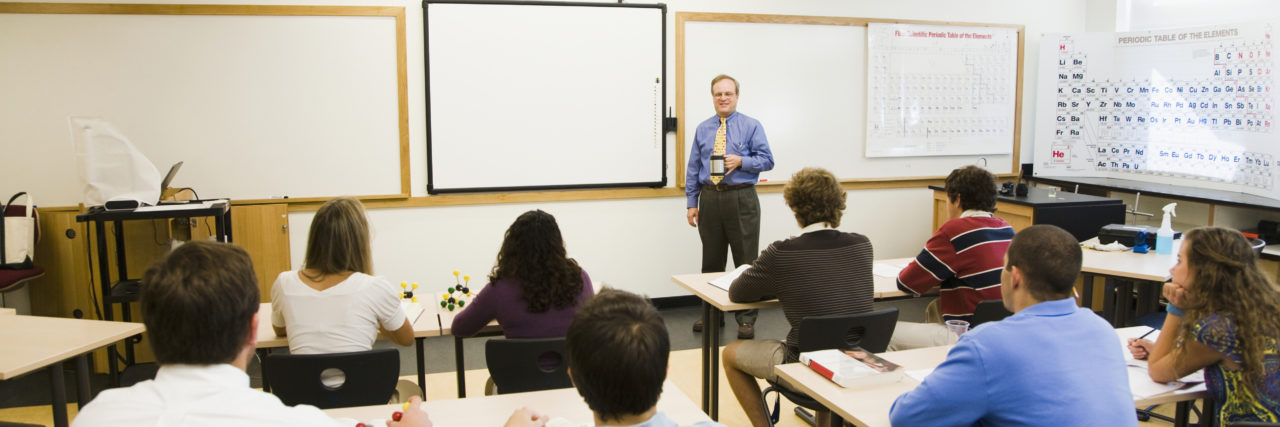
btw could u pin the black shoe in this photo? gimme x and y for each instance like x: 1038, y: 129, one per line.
x: 746, y: 331
x: 697, y: 326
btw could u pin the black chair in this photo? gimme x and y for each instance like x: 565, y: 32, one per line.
x: 991, y: 310
x: 520, y: 365
x: 828, y: 332
x: 370, y: 378
x: 1252, y: 424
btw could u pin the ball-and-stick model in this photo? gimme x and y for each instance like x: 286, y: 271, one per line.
x: 455, y: 296
x: 406, y: 292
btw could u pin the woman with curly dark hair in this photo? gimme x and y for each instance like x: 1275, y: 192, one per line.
x: 534, y: 288
x: 1224, y: 319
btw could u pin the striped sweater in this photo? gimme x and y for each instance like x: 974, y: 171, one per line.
x: 964, y: 258
x: 823, y: 272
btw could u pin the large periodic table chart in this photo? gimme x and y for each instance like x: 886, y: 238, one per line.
x: 937, y: 90
x: 1190, y: 106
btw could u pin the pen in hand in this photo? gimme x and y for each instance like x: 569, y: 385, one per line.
x: 1148, y: 333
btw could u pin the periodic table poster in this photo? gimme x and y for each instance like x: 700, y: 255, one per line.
x: 935, y: 90
x: 1191, y: 106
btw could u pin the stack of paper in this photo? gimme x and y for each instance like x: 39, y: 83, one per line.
x: 724, y: 281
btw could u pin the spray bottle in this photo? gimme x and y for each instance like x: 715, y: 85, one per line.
x: 1164, y: 236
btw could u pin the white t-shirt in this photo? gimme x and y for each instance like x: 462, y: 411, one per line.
x: 340, y: 319
x: 195, y: 395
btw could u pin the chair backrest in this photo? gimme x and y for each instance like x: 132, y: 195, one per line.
x: 991, y: 310
x: 871, y: 331
x: 370, y: 378
x: 520, y: 365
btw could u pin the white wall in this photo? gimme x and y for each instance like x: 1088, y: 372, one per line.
x: 1143, y: 15
x: 639, y: 244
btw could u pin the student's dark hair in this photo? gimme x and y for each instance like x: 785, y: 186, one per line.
x: 815, y: 195
x: 617, y: 349
x: 975, y: 187
x: 198, y: 302
x: 1049, y: 258
x: 533, y: 253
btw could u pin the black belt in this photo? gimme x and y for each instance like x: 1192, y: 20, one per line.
x: 727, y: 187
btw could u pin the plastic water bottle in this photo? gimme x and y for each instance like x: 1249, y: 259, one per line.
x: 1164, y: 236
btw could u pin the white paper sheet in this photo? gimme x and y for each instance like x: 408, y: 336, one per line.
x: 884, y: 269
x: 724, y: 281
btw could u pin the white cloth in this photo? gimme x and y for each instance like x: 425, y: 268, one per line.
x: 195, y: 395
x: 340, y: 319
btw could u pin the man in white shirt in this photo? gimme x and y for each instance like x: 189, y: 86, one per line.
x: 200, y: 306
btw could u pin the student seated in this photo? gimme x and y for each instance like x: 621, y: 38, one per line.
x: 1051, y: 363
x: 963, y: 259
x: 200, y: 306
x: 617, y: 350
x: 823, y: 271
x: 333, y: 305
x: 534, y: 288
x: 1224, y: 317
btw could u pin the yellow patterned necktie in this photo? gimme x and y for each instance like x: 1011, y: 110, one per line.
x: 718, y: 150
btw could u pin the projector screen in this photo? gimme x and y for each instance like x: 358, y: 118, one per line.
x: 542, y: 96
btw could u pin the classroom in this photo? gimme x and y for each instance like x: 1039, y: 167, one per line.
x: 278, y: 107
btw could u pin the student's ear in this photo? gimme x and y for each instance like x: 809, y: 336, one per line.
x: 253, y: 331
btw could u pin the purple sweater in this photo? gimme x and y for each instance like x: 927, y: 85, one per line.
x: 504, y: 300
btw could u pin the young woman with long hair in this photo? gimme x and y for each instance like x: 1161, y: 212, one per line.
x: 1225, y: 319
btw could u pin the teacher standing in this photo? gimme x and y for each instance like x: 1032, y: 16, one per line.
x: 729, y: 152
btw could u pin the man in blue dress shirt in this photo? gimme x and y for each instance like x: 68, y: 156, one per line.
x: 725, y: 209
x: 1050, y: 363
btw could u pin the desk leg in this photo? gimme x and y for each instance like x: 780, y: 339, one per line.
x: 1109, y: 295
x: 262, y: 365
x: 82, y: 381
x: 59, y: 389
x: 1182, y: 413
x: 1124, y: 299
x: 706, y: 357
x: 717, y: 316
x: 462, y: 373
x: 419, y: 343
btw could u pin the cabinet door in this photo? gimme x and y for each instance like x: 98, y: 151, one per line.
x: 1018, y: 216
x: 63, y: 253
x: 263, y: 231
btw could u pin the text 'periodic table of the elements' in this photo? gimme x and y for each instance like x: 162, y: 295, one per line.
x: 1188, y: 106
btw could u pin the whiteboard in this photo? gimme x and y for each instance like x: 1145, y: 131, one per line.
x: 256, y: 106
x: 1190, y: 106
x: 940, y: 90
x: 565, y: 96
x: 806, y: 83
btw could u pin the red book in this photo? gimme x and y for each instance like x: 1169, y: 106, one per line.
x: 852, y: 368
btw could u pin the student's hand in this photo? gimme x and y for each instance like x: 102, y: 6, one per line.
x: 692, y: 216
x: 1175, y: 293
x: 524, y: 417
x: 1140, y: 348
x: 731, y: 162
x: 413, y: 415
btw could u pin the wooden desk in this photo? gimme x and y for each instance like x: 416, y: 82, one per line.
x: 428, y: 325
x: 869, y: 406
x: 494, y: 410
x: 1123, y: 272
x: 715, y: 302
x: 33, y: 342
x: 459, y: 359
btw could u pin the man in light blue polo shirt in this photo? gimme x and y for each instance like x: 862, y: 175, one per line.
x: 1050, y: 363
